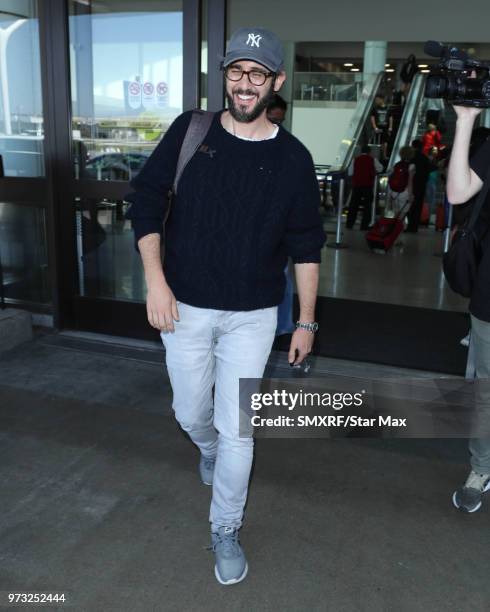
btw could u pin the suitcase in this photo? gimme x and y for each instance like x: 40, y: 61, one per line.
x: 384, y: 233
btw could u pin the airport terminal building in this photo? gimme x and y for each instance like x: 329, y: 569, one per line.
x: 89, y: 87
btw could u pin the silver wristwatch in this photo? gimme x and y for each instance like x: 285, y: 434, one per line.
x: 311, y: 327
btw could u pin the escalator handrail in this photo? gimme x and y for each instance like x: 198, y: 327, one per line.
x: 408, y: 122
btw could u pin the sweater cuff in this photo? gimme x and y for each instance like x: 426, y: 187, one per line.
x: 142, y: 226
x: 312, y: 257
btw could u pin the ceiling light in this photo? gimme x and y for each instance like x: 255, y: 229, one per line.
x: 354, y: 69
x: 347, y: 64
x: 423, y: 65
x: 390, y: 70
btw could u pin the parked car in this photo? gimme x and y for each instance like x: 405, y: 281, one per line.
x: 114, y: 166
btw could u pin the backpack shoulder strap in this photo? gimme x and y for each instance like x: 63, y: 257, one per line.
x: 196, y: 132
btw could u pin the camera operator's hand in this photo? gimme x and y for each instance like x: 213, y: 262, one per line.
x: 467, y: 112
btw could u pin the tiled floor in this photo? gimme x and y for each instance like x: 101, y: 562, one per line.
x: 410, y: 274
x: 102, y: 501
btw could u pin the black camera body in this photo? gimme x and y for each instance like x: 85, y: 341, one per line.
x: 451, y: 79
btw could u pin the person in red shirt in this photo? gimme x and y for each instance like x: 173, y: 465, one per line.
x: 431, y: 140
x: 363, y: 177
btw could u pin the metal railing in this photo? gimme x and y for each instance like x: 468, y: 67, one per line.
x: 409, y: 120
x: 351, y: 144
x: 327, y: 86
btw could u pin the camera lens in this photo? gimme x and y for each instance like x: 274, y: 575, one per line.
x: 436, y: 86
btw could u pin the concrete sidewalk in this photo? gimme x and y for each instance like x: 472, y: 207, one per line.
x: 101, y: 500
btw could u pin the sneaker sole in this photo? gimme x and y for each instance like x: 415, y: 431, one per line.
x: 233, y: 580
x: 477, y: 507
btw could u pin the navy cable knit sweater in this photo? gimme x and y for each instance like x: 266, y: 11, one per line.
x: 242, y: 207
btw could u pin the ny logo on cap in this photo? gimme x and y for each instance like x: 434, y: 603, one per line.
x: 254, y: 40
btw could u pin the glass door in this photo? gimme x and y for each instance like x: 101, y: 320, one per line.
x: 130, y: 77
x: 23, y: 186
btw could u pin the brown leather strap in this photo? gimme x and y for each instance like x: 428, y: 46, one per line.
x: 196, y: 132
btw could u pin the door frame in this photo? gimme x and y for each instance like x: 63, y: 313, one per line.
x: 70, y: 310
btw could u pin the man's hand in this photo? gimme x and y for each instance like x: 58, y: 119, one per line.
x: 301, y: 345
x: 161, y: 307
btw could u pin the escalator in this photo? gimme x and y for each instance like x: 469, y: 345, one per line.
x: 357, y: 135
x: 359, y: 130
x: 413, y: 126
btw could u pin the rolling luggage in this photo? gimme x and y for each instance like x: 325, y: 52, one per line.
x: 385, y: 231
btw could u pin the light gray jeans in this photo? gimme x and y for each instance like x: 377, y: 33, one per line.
x: 218, y: 347
x: 480, y: 345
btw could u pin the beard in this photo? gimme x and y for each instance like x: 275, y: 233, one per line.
x: 242, y: 115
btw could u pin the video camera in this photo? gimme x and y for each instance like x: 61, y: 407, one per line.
x: 451, y: 78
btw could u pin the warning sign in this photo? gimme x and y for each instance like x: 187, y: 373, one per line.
x: 162, y: 94
x: 134, y: 94
x: 148, y: 95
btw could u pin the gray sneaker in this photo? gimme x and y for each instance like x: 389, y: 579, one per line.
x: 206, y: 469
x: 468, y: 497
x: 231, y: 566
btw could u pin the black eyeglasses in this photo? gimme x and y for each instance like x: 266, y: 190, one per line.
x: 256, y: 77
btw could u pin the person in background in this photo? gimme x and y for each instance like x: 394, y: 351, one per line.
x: 407, y: 72
x: 431, y: 193
x: 423, y: 167
x: 464, y: 180
x: 395, y: 112
x: 434, y: 112
x: 431, y: 139
x: 379, y: 124
x: 478, y: 137
x: 400, y: 183
x: 460, y: 213
x: 277, y: 109
x: 276, y: 113
x: 363, y: 171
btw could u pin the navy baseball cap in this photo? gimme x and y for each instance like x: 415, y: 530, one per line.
x: 257, y: 45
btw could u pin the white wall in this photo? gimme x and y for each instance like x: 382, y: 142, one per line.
x: 356, y: 20
x: 321, y: 127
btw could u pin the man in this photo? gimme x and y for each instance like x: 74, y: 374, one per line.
x: 395, y: 113
x: 363, y: 170
x: 379, y: 124
x: 423, y: 167
x: 464, y: 180
x: 246, y: 200
x: 276, y: 111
